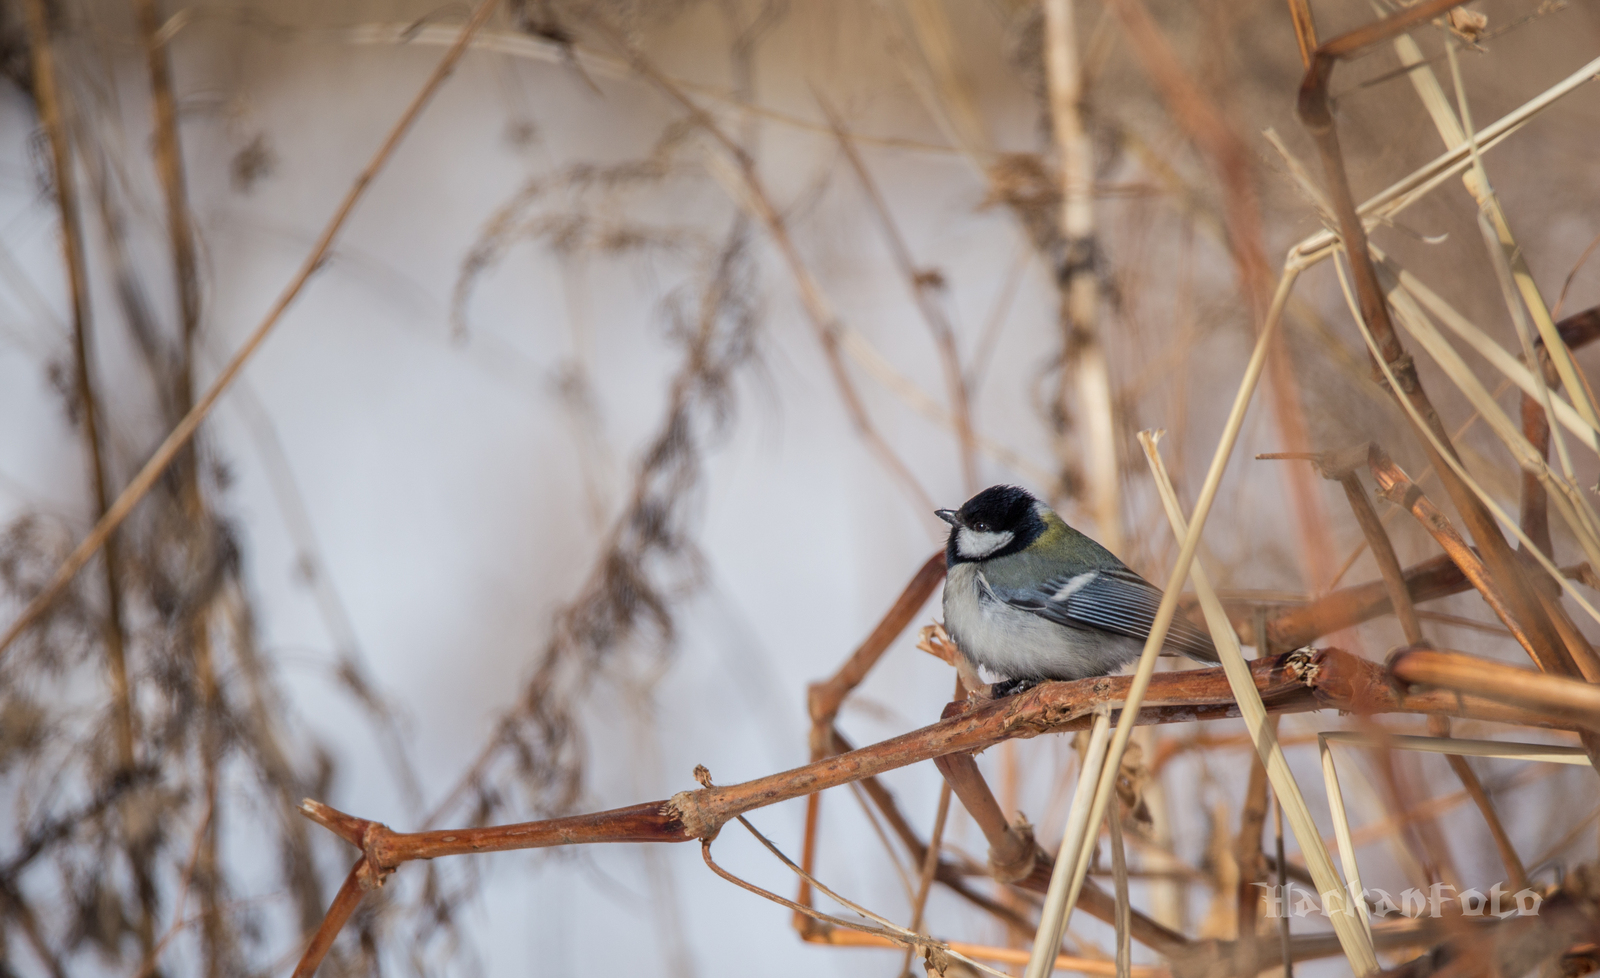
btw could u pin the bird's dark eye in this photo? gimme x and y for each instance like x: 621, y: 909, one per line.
x: 981, y: 527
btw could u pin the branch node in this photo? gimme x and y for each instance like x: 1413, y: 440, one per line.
x: 1014, y: 858
x: 685, y: 806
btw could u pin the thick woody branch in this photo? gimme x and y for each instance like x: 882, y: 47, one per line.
x: 1293, y: 683
x: 1428, y: 580
x: 1297, y: 682
x: 824, y: 698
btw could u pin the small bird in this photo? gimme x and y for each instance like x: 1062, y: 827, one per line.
x: 1030, y: 599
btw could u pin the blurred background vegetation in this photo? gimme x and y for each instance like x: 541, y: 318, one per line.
x: 616, y: 414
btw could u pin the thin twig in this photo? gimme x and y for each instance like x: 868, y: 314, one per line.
x: 750, y: 193
x: 930, y: 863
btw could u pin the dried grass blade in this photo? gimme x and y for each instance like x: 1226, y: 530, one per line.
x: 1485, y: 346
x: 1507, y: 750
x: 1355, y: 939
x: 1494, y: 508
x: 1052, y: 918
x: 1384, y: 206
x: 1169, y: 601
x: 1341, y: 825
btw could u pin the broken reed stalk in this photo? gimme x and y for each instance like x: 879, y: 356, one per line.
x: 184, y: 431
x: 1169, y: 605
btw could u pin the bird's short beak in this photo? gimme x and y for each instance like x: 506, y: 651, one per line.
x: 949, y: 516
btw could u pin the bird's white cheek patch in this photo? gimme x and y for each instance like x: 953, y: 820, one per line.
x: 975, y: 546
x: 1075, y: 585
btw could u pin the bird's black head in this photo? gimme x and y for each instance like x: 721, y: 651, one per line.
x: 997, y: 521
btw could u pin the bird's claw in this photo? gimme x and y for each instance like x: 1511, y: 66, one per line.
x: 1011, y: 687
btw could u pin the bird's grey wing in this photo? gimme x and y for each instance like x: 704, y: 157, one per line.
x: 1114, y: 600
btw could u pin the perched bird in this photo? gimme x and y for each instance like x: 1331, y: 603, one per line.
x: 1030, y: 599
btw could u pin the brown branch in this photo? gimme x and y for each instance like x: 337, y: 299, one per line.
x: 344, y: 904
x: 1427, y: 580
x: 823, y: 699
x: 181, y: 435
x: 1397, y: 487
x: 1295, y: 682
x: 1292, y: 683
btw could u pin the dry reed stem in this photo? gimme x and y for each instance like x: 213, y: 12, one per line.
x: 930, y: 865
x: 169, y: 166
x: 1305, y: 29
x: 181, y: 435
x: 1061, y: 895
x: 1119, y: 870
x: 1086, y: 391
x: 1251, y: 861
x: 1355, y: 942
x: 52, y: 117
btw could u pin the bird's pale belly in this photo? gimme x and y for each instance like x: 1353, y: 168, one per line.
x: 1017, y: 644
